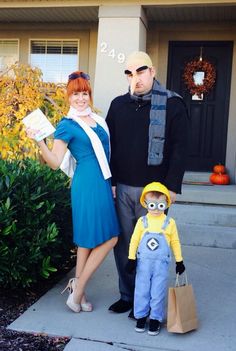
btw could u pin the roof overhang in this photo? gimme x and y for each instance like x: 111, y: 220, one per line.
x: 52, y: 11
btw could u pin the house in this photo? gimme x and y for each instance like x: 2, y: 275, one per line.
x: 96, y: 36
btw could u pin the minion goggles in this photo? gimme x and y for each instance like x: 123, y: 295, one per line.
x: 156, y: 205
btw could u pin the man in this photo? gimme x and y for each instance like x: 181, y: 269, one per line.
x: 148, y: 128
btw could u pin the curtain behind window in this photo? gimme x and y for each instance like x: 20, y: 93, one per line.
x: 56, y: 58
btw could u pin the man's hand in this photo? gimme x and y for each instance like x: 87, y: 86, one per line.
x: 114, y: 191
x: 172, y: 196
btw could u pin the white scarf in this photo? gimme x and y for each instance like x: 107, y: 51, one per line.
x: 68, y: 163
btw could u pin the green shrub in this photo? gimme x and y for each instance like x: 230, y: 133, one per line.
x: 35, y: 222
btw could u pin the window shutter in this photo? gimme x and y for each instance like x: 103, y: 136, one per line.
x: 56, y: 58
x: 8, y: 53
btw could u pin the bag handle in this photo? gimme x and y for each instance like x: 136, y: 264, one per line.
x: 184, y: 280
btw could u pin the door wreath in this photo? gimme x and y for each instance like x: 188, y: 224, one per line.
x: 209, y: 76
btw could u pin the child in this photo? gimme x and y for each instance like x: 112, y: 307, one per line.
x: 150, y: 243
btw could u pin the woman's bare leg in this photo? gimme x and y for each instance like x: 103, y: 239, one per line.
x: 94, y: 260
x: 82, y: 256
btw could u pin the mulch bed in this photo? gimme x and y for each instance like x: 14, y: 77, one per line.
x: 13, y: 304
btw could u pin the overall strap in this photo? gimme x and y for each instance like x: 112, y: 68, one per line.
x: 165, y: 223
x: 145, y: 222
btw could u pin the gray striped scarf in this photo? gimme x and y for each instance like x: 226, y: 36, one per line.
x: 158, y: 97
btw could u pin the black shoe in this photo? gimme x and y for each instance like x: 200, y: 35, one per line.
x: 140, y: 325
x: 131, y: 315
x: 154, y: 327
x: 121, y: 306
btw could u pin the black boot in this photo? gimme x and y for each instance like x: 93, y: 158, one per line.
x: 154, y: 327
x: 131, y: 315
x: 121, y: 306
x: 140, y: 325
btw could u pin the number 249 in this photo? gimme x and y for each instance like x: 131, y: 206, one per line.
x: 111, y: 53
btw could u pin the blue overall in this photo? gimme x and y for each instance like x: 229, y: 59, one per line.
x: 153, y: 259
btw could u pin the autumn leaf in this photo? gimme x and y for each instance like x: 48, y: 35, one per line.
x: 22, y: 90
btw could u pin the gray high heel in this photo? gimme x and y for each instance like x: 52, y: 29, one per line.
x: 85, y: 307
x: 76, y: 307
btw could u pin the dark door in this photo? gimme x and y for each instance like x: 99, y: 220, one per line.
x: 209, y: 116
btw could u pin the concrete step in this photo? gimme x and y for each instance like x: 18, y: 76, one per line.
x: 203, y: 214
x: 205, y: 225
x: 208, y: 194
x: 197, y: 176
x: 207, y: 235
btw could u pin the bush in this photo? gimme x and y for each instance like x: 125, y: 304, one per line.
x: 35, y: 222
x: 22, y: 90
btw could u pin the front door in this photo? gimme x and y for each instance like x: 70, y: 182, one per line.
x: 208, y: 115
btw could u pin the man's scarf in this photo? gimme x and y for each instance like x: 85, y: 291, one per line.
x: 158, y: 97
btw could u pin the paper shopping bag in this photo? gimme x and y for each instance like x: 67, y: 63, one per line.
x: 181, y: 310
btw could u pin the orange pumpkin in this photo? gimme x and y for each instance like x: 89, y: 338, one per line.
x: 219, y: 168
x: 219, y: 178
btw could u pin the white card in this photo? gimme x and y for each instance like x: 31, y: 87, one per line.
x: 38, y: 121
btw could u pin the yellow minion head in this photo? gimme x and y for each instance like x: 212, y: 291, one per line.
x: 155, y: 186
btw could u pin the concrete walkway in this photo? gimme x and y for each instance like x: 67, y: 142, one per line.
x: 212, y: 274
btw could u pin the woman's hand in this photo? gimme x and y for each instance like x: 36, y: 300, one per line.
x: 31, y: 133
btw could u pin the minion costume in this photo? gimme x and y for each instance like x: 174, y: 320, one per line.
x: 151, y: 241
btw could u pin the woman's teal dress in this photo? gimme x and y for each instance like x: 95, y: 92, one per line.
x: 93, y: 210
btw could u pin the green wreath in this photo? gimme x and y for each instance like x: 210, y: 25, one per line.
x: 209, y: 78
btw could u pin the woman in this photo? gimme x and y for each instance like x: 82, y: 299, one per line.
x: 95, y: 225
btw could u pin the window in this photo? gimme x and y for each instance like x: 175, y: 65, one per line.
x: 56, y: 58
x: 9, y: 53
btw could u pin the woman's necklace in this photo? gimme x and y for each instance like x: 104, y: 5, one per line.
x: 88, y: 120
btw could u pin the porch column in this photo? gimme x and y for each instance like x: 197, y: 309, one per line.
x: 121, y: 30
